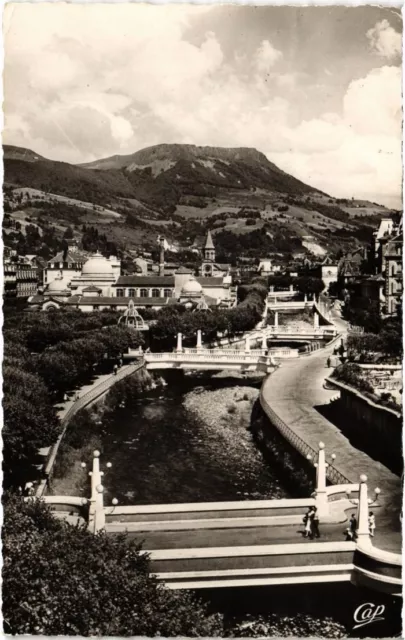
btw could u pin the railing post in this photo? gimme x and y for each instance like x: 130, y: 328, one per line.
x: 247, y: 343
x: 316, y: 320
x: 264, y: 341
x: 95, y: 481
x: 179, y: 342
x: 305, y: 298
x: 99, y: 515
x: 321, y: 499
x: 363, y: 532
x: 276, y: 319
x: 199, y: 343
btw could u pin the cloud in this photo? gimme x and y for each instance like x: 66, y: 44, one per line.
x: 384, y: 40
x: 266, y: 57
x: 82, y: 84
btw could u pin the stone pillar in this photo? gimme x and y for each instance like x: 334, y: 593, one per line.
x: 316, y: 320
x: 179, y: 342
x: 199, y: 344
x: 99, y: 516
x: 272, y: 288
x: 247, y: 343
x: 291, y: 288
x: 276, y: 319
x: 264, y: 341
x: 314, y: 297
x: 305, y: 298
x: 321, y: 499
x: 95, y: 481
x: 363, y: 533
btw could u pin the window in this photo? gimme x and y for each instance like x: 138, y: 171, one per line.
x: 120, y: 293
x: 131, y: 293
x: 167, y: 293
x: 144, y: 293
x: 155, y: 293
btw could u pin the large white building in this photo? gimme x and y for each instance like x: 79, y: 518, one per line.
x: 100, y: 285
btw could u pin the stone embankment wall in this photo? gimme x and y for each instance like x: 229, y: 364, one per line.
x: 379, y: 427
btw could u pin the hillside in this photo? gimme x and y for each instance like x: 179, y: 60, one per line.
x: 163, y: 176
x: 181, y: 191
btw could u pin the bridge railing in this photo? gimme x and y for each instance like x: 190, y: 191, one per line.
x: 333, y: 475
x: 238, y: 356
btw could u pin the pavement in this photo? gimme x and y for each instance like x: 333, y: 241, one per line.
x: 294, y: 391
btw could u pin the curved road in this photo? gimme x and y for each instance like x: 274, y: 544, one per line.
x: 294, y: 391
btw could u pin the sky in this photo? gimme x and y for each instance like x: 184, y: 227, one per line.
x: 317, y: 89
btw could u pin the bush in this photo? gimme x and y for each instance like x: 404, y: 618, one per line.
x: 63, y: 580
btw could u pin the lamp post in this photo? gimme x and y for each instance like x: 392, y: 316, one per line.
x: 321, y: 496
x: 363, y: 503
x: 96, y: 503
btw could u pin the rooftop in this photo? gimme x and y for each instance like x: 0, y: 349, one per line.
x: 145, y: 281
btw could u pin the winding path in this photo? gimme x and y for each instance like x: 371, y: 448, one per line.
x: 293, y: 392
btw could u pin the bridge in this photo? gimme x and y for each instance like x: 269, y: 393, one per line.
x: 247, y: 543
x: 242, y: 359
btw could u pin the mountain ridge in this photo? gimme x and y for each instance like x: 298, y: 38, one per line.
x: 162, y: 176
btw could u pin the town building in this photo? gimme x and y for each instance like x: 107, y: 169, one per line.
x: 209, y: 267
x: 20, y: 280
x: 393, y: 282
x: 100, y: 285
x: 65, y: 265
x: 329, y: 271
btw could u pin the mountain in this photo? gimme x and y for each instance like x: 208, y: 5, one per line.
x: 162, y: 176
x: 181, y: 191
x: 166, y: 174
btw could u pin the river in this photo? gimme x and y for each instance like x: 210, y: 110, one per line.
x: 165, y: 448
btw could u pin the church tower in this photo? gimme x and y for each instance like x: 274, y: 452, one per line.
x: 209, y: 249
x: 208, y: 256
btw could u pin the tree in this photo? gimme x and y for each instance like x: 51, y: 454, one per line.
x: 30, y: 421
x: 62, y: 580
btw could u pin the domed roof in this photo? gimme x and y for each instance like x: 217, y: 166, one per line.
x: 97, y: 265
x: 191, y: 288
x: 56, y: 285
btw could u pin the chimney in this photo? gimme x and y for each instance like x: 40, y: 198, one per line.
x: 162, y: 256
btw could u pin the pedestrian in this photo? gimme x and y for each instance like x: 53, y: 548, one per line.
x: 328, y: 363
x: 115, y: 369
x: 29, y: 488
x: 307, y: 522
x: 371, y: 523
x: 65, y: 397
x: 120, y: 363
x: 315, y: 524
x: 351, y: 530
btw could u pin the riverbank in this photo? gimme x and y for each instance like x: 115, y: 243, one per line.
x: 87, y: 429
x: 226, y: 414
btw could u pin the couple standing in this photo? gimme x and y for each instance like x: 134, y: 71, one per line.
x: 311, y: 521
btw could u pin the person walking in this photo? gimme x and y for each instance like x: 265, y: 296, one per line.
x: 328, y: 363
x: 351, y: 530
x: 307, y: 522
x: 315, y: 524
x: 115, y: 369
x: 371, y: 523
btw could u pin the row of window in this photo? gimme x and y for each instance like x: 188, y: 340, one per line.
x: 144, y: 293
